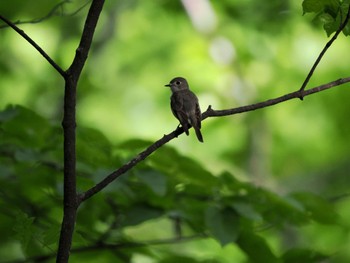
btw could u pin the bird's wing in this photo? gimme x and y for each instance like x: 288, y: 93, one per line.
x: 198, y: 115
x: 177, y: 107
x: 191, y: 107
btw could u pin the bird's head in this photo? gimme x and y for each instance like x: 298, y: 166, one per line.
x: 177, y: 84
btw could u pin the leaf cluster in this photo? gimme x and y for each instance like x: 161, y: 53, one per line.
x: 331, y: 13
x: 168, y: 197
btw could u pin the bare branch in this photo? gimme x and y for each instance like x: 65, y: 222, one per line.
x: 78, y: 10
x: 35, y: 45
x: 126, y: 167
x: 320, y: 56
x: 69, y: 137
x: 208, y: 113
x: 82, y: 51
x: 297, y: 94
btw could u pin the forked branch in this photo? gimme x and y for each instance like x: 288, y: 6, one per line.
x: 324, y: 50
x: 35, y: 45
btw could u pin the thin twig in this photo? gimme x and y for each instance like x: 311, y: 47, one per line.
x: 297, y: 94
x: 38, y: 20
x: 320, y: 56
x: 50, y: 14
x: 78, y: 10
x: 36, y: 46
x: 208, y: 113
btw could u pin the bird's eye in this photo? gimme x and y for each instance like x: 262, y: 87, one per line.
x: 177, y: 82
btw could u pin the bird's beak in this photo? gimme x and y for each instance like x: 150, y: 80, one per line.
x: 167, y: 85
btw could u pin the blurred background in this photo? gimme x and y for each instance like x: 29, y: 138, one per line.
x: 233, y: 53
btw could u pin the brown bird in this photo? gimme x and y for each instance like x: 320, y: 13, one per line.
x: 185, y: 107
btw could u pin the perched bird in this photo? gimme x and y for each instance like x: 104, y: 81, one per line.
x: 184, y: 105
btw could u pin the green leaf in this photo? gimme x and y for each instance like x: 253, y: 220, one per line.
x: 173, y: 258
x: 276, y: 209
x: 346, y: 30
x: 192, y: 176
x: 316, y: 6
x: 317, y: 207
x: 176, y: 259
x: 26, y: 155
x: 51, y: 235
x: 247, y: 210
x: 344, y: 10
x: 93, y: 148
x: 193, y: 211
x: 23, y: 127
x: 140, y: 213
x: 256, y: 248
x: 313, y: 6
x: 155, y: 180
x: 8, y: 114
x: 223, y: 224
x: 297, y: 255
x: 330, y: 24
x: 330, y: 12
x: 23, y: 227
x: 326, y: 18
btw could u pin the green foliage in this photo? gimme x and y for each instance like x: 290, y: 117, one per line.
x: 23, y: 228
x: 318, y: 209
x: 331, y: 13
x: 256, y: 248
x: 258, y: 189
x: 303, y: 255
x: 181, y: 193
x: 223, y: 224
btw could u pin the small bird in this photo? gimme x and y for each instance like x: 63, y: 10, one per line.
x: 184, y: 105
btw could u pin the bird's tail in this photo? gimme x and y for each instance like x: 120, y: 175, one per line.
x: 198, y: 134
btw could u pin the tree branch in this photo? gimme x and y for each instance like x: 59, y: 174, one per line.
x: 82, y: 51
x: 39, y: 49
x: 324, y: 50
x: 208, y: 113
x: 297, y: 94
x: 69, y: 137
